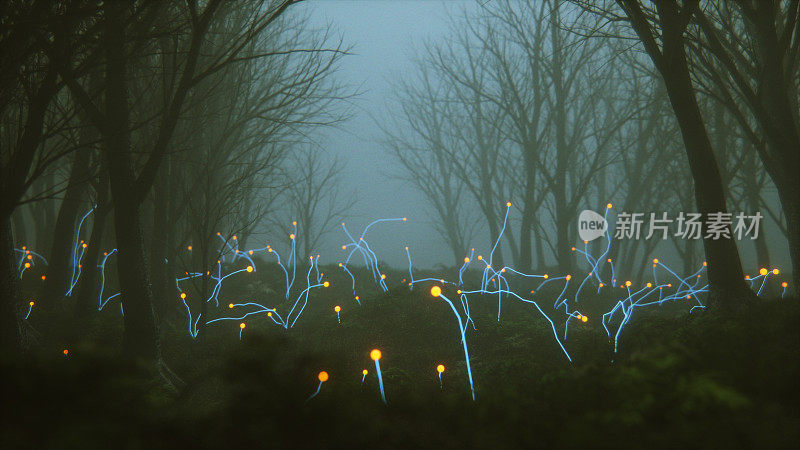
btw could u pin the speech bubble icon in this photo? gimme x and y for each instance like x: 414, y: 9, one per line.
x: 591, y: 225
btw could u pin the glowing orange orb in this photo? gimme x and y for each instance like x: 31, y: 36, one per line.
x: 242, y: 325
x: 291, y: 236
x: 466, y: 260
x: 375, y: 354
x: 364, y: 372
x: 440, y: 368
x: 27, y: 265
x: 436, y: 291
x: 763, y: 271
x: 627, y: 283
x: 655, y: 261
x: 183, y: 294
x: 784, y: 284
x: 609, y: 206
x: 323, y: 376
x: 383, y: 276
x: 65, y: 352
x: 337, y: 308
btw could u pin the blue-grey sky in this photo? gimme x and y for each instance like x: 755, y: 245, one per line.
x: 383, y: 35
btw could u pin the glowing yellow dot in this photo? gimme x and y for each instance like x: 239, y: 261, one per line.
x: 375, y: 354
x: 655, y: 261
x: 609, y: 206
x: 291, y: 236
x: 458, y: 292
x: 747, y: 277
x: 31, y: 303
x: 573, y: 249
x: 326, y: 284
x: 340, y: 264
x: 584, y: 319
x: 294, y: 223
x: 250, y: 252
x: 784, y: 284
x: 688, y: 297
x: 44, y: 277
x: 364, y: 372
x: 242, y: 325
x: 189, y: 248
x: 344, y: 247
x: 24, y: 247
x: 466, y: 260
x: 508, y: 204
x: 230, y: 305
x: 649, y: 285
x: 27, y: 265
x: 357, y: 298
x: 609, y: 260
x: 775, y: 271
x: 440, y: 368
x: 585, y: 242
x: 569, y: 277
x: 404, y: 219
x: 546, y: 276
x: 763, y: 271
x: 705, y: 263
x: 669, y: 285
x: 84, y: 245
x: 234, y: 237
x: 249, y: 268
x: 183, y: 294
x: 269, y: 313
x: 436, y: 291
x: 627, y: 283
x: 383, y: 276
x: 30, y: 256
x: 337, y: 308
x: 601, y: 285
x: 323, y: 376
x: 480, y: 257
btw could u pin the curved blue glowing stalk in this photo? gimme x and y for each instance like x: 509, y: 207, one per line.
x: 461, y: 329
x: 75, y: 258
x: 102, y: 266
x: 380, y: 380
x: 30, y: 308
x: 441, y: 386
x: 500, y: 235
x: 319, y: 386
x: 467, y: 260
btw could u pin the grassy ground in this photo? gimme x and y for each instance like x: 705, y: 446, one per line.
x: 679, y: 380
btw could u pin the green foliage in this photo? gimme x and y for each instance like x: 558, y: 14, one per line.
x: 680, y: 380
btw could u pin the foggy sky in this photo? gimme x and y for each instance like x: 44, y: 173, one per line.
x: 384, y: 36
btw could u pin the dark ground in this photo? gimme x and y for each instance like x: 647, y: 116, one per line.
x: 680, y: 381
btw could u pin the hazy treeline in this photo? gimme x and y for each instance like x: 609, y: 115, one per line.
x: 558, y: 106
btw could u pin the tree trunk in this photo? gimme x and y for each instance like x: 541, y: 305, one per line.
x: 724, y: 265
x: 140, y: 337
x: 9, y: 329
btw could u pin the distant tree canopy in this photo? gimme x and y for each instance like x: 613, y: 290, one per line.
x: 556, y: 106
